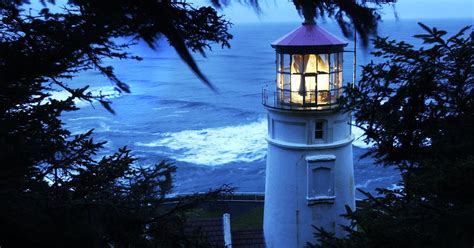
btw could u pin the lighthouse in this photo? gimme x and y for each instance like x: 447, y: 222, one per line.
x: 309, y: 171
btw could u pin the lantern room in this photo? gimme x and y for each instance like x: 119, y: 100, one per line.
x: 308, y: 69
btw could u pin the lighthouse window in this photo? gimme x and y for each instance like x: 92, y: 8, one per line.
x: 319, y: 130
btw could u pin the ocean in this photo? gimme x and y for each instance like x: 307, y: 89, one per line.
x: 214, y: 138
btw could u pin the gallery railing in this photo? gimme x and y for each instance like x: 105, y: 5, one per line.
x: 300, y: 100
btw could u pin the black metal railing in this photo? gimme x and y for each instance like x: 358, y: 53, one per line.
x: 297, y: 100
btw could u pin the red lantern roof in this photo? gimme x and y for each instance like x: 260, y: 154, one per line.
x: 308, y: 36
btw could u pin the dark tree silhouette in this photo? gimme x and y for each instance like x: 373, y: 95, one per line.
x: 417, y: 108
x: 54, y: 189
x: 363, y: 16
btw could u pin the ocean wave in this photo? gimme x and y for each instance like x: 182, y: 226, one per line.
x: 222, y: 145
x: 88, y: 118
x: 216, y: 146
x: 366, y: 184
x: 99, y: 127
x: 185, y: 104
x: 107, y: 91
x: 359, y: 137
x: 395, y: 186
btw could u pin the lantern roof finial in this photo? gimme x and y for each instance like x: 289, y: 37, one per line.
x: 308, y: 21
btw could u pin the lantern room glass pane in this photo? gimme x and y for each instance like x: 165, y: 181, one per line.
x: 323, y: 94
x: 279, y: 64
x: 285, y: 63
x: 333, y: 93
x: 341, y: 61
x: 286, y: 81
x: 296, y: 84
x: 297, y: 64
x: 332, y: 62
x: 323, y: 63
x: 310, y: 63
x: 323, y: 82
x: 332, y: 81
x: 335, y: 62
x: 339, y: 80
x: 310, y: 82
x: 335, y: 80
x: 280, y: 80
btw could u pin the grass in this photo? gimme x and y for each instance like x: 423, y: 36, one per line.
x: 201, y: 213
x: 252, y: 219
x: 244, y: 216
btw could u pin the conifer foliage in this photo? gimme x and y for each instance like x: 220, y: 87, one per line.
x: 361, y: 16
x: 55, y: 191
x: 417, y: 109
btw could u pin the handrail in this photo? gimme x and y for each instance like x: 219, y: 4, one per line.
x: 297, y: 100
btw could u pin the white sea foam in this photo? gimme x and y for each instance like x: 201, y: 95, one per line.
x: 379, y: 179
x: 359, y: 137
x: 107, y: 91
x: 395, y: 186
x: 216, y: 146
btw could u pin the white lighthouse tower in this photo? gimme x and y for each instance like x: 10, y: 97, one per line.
x: 309, y: 173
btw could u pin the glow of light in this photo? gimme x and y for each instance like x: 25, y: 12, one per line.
x: 313, y: 64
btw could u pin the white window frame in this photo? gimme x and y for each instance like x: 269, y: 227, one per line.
x: 324, y: 131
